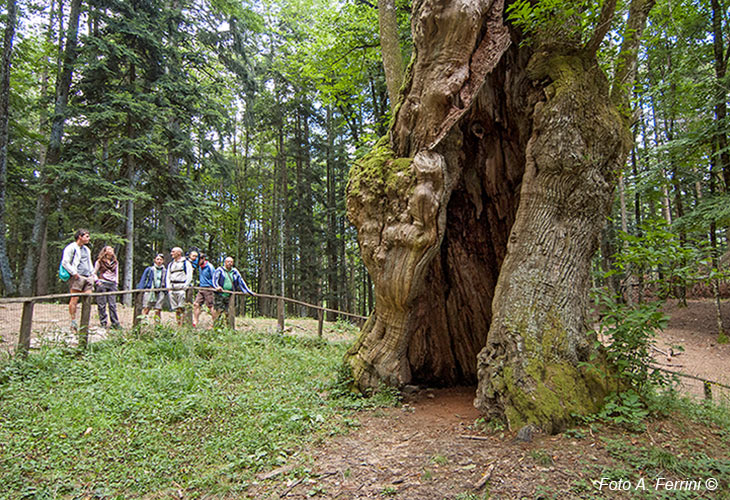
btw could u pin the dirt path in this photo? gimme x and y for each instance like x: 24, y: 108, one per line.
x: 431, y: 448
x: 428, y: 449
x: 692, y: 335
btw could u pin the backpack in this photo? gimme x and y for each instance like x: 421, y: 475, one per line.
x: 63, y: 273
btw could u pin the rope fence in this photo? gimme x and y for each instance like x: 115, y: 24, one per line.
x: 707, y: 385
x: 41, y: 315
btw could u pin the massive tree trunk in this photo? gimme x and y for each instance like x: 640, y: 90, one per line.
x: 478, y: 216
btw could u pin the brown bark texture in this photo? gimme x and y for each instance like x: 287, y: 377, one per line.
x: 390, y: 49
x: 478, y: 216
x: 6, y: 271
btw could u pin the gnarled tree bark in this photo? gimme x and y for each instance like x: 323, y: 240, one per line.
x: 478, y: 216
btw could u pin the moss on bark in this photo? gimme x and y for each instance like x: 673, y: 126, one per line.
x: 380, y: 173
x: 544, y: 389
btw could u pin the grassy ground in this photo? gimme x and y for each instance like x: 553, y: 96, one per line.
x: 147, y: 415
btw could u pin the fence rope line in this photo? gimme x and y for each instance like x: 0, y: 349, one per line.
x: 295, y: 301
x: 25, y: 333
x: 687, y: 375
x: 38, y: 298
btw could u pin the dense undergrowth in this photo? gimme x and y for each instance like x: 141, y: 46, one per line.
x: 142, y: 415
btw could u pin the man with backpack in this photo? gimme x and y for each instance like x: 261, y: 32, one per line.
x: 77, y: 264
x: 179, y: 277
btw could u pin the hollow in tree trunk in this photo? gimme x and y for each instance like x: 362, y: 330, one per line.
x: 478, y: 216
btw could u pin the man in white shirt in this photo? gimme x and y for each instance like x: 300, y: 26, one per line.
x: 179, y: 277
x: 77, y: 261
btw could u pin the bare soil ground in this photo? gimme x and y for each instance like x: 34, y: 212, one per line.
x: 434, y: 445
x: 692, y: 335
x: 430, y: 448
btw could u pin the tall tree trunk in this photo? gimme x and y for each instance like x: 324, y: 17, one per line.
x: 680, y: 288
x: 280, y: 185
x: 637, y: 274
x: 5, y: 270
x: 713, y: 247
x: 434, y: 281
x: 344, y: 299
x: 308, y: 279
x: 628, y: 280
x: 242, y: 189
x: 266, y: 269
x: 129, y: 246
x: 390, y: 49
x: 173, y: 171
x: 331, y: 243
x: 42, y: 279
x: 53, y: 156
x: 608, y: 251
x: 174, y: 154
x: 721, y: 58
x: 479, y: 215
x: 530, y: 370
x: 666, y: 204
x: 131, y: 164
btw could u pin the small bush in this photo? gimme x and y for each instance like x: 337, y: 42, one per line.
x: 632, y: 332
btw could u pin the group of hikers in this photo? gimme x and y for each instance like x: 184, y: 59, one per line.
x: 85, y: 275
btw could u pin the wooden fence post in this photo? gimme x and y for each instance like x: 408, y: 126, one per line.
x: 26, y: 323
x: 84, y: 323
x: 138, y: 299
x: 280, y: 304
x: 708, y: 390
x: 320, y: 322
x: 232, y: 312
x: 188, y: 318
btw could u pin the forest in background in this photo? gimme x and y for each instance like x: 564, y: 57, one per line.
x: 230, y: 126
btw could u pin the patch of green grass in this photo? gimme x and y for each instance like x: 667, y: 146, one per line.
x: 342, y: 326
x: 705, y: 412
x: 655, y: 462
x: 468, y: 495
x: 490, y: 426
x: 169, y: 410
x: 575, y: 433
x: 542, y: 457
x: 389, y: 491
x: 316, y: 491
x: 342, y: 389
